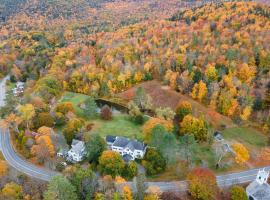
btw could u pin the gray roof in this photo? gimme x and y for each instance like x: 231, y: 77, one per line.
x: 77, y: 146
x: 127, y: 158
x: 126, y: 143
x: 259, y: 191
x: 110, y: 138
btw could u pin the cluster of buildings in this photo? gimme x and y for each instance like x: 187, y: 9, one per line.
x: 128, y: 149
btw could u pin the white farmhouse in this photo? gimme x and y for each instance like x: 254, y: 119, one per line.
x: 259, y: 189
x: 77, y: 151
x: 129, y: 149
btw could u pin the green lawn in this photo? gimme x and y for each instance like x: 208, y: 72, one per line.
x: 120, y: 125
x: 246, y: 135
x: 75, y: 99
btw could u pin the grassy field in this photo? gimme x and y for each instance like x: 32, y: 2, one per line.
x: 248, y: 136
x: 75, y: 99
x: 120, y: 125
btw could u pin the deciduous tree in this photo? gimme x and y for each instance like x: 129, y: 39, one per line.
x: 202, y: 184
x: 111, y: 163
x: 60, y: 188
x: 241, y: 153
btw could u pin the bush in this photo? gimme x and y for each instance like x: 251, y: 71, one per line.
x: 238, y: 193
x: 106, y: 113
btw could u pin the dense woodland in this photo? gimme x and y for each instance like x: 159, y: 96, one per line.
x: 220, y: 59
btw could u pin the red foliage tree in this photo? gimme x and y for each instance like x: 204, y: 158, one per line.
x: 106, y: 113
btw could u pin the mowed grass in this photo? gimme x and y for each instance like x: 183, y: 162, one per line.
x: 120, y: 125
x: 246, y: 135
x: 75, y: 99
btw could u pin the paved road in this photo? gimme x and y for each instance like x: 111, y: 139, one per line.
x: 19, y: 163
x: 3, y: 90
x: 43, y: 174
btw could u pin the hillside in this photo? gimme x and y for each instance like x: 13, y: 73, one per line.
x: 218, y: 54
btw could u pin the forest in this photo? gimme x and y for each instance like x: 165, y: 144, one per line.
x: 183, y: 70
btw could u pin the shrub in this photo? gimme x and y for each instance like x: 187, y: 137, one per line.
x: 106, y: 113
x: 238, y: 193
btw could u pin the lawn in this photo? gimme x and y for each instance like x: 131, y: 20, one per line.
x: 246, y: 135
x: 75, y: 99
x: 120, y: 125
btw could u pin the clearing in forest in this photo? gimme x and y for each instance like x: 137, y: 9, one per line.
x: 163, y: 96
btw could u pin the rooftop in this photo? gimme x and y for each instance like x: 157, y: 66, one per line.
x: 126, y: 143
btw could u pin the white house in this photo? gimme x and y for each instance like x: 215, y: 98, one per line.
x: 129, y: 149
x: 259, y: 189
x: 77, y: 151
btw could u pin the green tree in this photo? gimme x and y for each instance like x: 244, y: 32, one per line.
x: 238, y: 193
x: 60, y: 188
x: 85, y: 182
x: 164, y: 142
x: 94, y: 147
x: 153, y: 162
x: 90, y: 109
x: 188, y: 147
x: 131, y: 170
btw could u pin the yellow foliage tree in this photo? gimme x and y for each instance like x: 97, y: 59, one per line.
x: 12, y: 191
x: 44, y: 130
x: 211, y: 72
x: 246, y: 113
x: 27, y: 112
x: 3, y: 168
x: 246, y: 73
x: 151, y: 123
x: 199, y: 91
x: 127, y: 194
x: 241, y: 153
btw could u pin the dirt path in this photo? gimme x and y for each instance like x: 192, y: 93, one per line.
x: 165, y: 97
